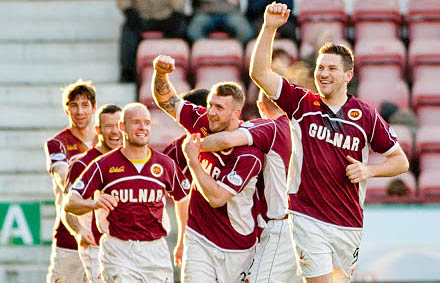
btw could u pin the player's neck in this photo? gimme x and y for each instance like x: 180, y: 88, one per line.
x: 233, y: 125
x: 86, y: 134
x: 102, y: 148
x: 135, y: 152
x: 337, y: 99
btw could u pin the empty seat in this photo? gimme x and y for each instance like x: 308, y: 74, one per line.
x: 210, y: 75
x: 145, y: 95
x: 378, y: 91
x: 429, y: 186
x: 423, y: 52
x: 429, y: 161
x: 283, y: 43
x: 379, y: 189
x: 209, y: 52
x: 149, y: 49
x: 405, y: 139
x: 376, y: 19
x: 426, y: 92
x: 428, y: 139
x: 391, y: 72
x: 163, y: 129
x: 423, y: 19
x: 428, y: 115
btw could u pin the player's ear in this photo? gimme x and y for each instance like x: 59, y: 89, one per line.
x: 348, y: 76
x: 97, y: 130
x: 121, y: 126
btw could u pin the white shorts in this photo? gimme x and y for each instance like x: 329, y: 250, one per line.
x: 203, y: 262
x: 274, y: 261
x: 135, y: 261
x: 65, y: 266
x: 90, y: 259
x: 324, y: 248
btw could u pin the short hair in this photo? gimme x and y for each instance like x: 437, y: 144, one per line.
x: 80, y: 87
x: 106, y: 109
x: 279, y: 52
x: 229, y: 89
x: 197, y: 96
x: 339, y: 49
x: 130, y: 106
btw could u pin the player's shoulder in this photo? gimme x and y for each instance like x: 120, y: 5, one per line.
x: 175, y: 143
x: 60, y: 136
x: 256, y: 123
x: 157, y: 156
x: 248, y: 150
x: 357, y: 108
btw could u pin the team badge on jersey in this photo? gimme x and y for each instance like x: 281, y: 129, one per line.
x: 79, y: 185
x: 57, y: 156
x: 235, y: 179
x: 354, y: 114
x: 316, y: 103
x: 156, y: 170
x: 247, y: 124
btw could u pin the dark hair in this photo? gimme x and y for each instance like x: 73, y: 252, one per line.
x: 197, y: 96
x: 106, y: 109
x: 342, y: 50
x: 80, y: 87
x: 229, y: 89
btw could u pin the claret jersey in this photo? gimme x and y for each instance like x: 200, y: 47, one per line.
x: 232, y: 226
x: 62, y: 149
x: 323, y: 139
x: 140, y: 211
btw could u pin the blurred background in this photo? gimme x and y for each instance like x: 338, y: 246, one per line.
x: 47, y: 44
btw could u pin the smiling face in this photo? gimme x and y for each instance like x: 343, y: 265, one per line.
x: 108, y: 131
x: 80, y: 112
x: 137, y: 126
x: 221, y: 111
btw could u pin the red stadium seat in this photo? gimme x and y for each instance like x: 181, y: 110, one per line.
x: 378, y: 91
x: 149, y: 49
x: 283, y: 43
x: 390, y: 72
x: 423, y: 18
x: 405, y: 139
x: 426, y: 92
x: 376, y: 19
x: 163, y: 129
x: 429, y: 186
x: 377, y: 189
x: 210, y: 75
x: 423, y: 52
x: 429, y: 161
x: 379, y: 52
x: 428, y: 139
x: 209, y: 52
x: 146, y: 97
x: 317, y: 15
x: 428, y: 115
x: 426, y: 72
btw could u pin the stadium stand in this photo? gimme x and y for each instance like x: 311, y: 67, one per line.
x: 379, y: 189
x: 160, y: 121
x: 428, y: 139
x: 375, y: 92
x: 428, y: 115
x: 423, y: 19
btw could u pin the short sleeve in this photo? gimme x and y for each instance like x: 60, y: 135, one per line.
x: 193, y: 118
x: 262, y: 132
x: 74, y: 171
x: 179, y: 186
x: 289, y: 96
x: 89, y: 181
x: 55, y: 154
x: 383, y: 138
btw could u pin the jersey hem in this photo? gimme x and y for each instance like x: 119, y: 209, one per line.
x: 323, y: 222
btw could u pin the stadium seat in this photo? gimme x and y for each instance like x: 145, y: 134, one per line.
x: 146, y: 75
x: 423, y: 52
x: 428, y: 139
x: 391, y: 72
x: 317, y: 15
x: 380, y: 52
x: 428, y: 115
x: 283, y: 43
x: 429, y: 186
x: 146, y: 97
x: 405, y: 139
x: 163, y: 129
x: 210, y: 75
x: 377, y: 189
x: 423, y: 19
x: 149, y: 49
x: 378, y: 91
x: 426, y: 91
x: 429, y: 161
x: 376, y: 19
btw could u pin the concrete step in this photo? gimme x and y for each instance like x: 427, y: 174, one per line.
x: 58, y: 52
x: 25, y: 255
x: 19, y: 273
x: 51, y: 94
x: 25, y: 139
x: 22, y: 160
x: 59, y: 20
x: 37, y: 186
x: 30, y: 73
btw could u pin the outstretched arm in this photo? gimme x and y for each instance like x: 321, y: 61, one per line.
x: 260, y: 70
x: 224, y: 140
x: 75, y: 204
x: 182, y: 218
x: 164, y: 93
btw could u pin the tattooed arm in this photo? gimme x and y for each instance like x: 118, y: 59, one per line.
x: 164, y: 92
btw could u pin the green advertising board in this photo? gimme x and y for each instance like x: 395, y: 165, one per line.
x: 19, y: 223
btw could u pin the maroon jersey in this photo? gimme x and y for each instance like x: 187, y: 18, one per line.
x: 232, y: 226
x: 323, y: 139
x: 139, y: 213
x: 62, y: 149
x: 174, y: 150
x: 75, y: 170
x: 273, y: 138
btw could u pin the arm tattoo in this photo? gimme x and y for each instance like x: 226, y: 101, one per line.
x: 170, y: 104
x: 161, y: 86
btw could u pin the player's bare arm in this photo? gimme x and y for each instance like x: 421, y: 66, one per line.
x: 260, y: 70
x: 224, y: 140
x: 58, y: 175
x: 215, y: 195
x: 394, y: 164
x: 182, y: 218
x: 75, y: 204
x: 164, y: 93
x: 83, y: 236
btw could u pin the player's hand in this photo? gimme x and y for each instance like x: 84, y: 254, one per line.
x: 85, y: 238
x: 164, y: 64
x: 178, y: 254
x: 191, y: 148
x: 356, y: 171
x: 107, y: 202
x: 276, y: 15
